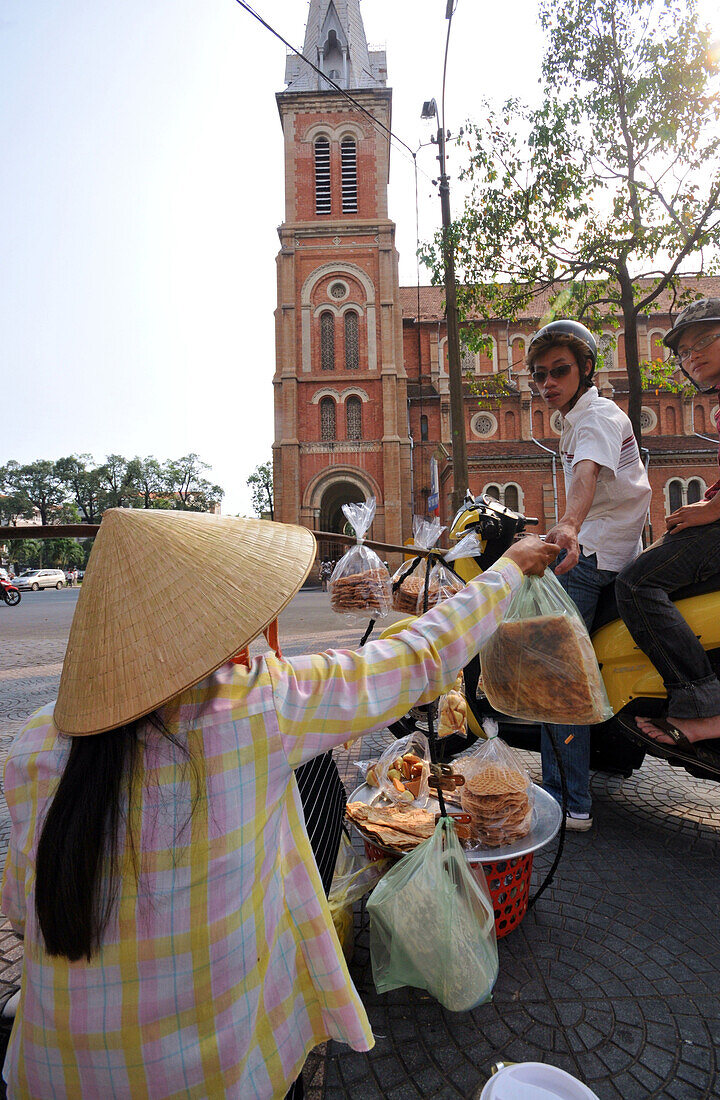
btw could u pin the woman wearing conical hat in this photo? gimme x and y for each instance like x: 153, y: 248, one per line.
x: 177, y: 938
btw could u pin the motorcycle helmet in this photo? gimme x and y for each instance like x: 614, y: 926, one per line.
x: 703, y: 312
x: 572, y: 333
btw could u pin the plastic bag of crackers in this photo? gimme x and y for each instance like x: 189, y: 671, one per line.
x: 408, y: 582
x: 360, y: 582
x: 452, y: 710
x: 498, y: 794
x: 540, y: 664
x: 444, y: 581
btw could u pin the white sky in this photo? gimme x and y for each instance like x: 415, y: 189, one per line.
x: 142, y: 184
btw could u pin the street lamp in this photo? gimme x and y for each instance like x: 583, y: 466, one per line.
x: 457, y: 406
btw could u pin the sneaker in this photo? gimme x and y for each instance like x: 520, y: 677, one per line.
x: 578, y: 823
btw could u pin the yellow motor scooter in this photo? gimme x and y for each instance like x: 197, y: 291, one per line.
x: 632, y: 683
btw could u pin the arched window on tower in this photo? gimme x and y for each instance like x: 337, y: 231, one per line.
x: 327, y: 341
x: 348, y: 165
x: 327, y: 420
x: 323, y: 203
x: 353, y: 415
x: 675, y: 494
x: 512, y: 498
x: 695, y: 490
x: 423, y: 429
x: 352, y: 353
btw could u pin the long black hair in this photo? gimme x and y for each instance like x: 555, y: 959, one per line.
x: 78, y: 872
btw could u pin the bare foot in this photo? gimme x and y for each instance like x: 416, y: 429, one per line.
x: 695, y: 729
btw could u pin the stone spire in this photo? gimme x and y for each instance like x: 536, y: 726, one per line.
x: 335, y: 41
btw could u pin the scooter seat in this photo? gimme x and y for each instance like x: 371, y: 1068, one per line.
x: 607, y: 609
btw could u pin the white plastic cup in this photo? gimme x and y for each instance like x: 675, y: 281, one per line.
x: 535, y: 1081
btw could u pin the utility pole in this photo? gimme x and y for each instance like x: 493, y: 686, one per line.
x: 457, y: 404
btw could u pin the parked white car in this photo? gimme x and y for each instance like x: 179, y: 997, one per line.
x: 35, y: 579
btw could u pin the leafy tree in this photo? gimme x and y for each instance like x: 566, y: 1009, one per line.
x: 60, y: 553
x: 613, y: 179
x: 35, y: 485
x: 261, y: 485
x: 116, y: 479
x: 83, y: 484
x: 27, y: 553
x: 190, y: 488
x: 151, y: 483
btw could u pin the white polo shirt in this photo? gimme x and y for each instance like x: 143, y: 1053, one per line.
x: 599, y: 430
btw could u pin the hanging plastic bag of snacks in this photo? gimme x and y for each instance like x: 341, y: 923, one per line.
x: 360, y: 582
x: 498, y: 794
x: 452, y: 716
x: 408, y: 583
x: 540, y: 664
x: 432, y: 925
x: 353, y: 878
x: 444, y: 582
x: 403, y: 769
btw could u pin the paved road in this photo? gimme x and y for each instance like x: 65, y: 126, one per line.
x: 613, y: 976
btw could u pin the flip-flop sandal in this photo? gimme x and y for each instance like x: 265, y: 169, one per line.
x: 681, y: 749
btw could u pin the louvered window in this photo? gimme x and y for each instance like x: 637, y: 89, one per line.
x: 327, y: 419
x: 322, y: 176
x: 348, y: 160
x: 352, y: 354
x: 353, y: 412
x: 327, y: 341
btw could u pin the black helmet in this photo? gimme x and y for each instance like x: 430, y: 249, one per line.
x: 704, y: 311
x: 547, y: 336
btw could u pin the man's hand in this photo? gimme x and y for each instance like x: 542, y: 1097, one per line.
x: 564, y: 535
x: 694, y: 515
x: 532, y: 555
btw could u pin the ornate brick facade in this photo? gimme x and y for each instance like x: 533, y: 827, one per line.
x: 361, y: 385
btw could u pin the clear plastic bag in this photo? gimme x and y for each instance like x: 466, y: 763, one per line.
x: 540, y: 664
x: 444, y: 583
x: 498, y: 794
x: 360, y: 581
x: 403, y: 769
x: 408, y: 582
x: 432, y: 925
x: 353, y: 878
x: 452, y: 710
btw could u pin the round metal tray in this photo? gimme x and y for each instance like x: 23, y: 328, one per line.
x: 546, y: 819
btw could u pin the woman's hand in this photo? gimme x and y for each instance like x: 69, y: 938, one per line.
x: 532, y: 555
x: 694, y: 515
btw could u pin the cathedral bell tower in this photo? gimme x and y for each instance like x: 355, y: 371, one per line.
x: 341, y: 419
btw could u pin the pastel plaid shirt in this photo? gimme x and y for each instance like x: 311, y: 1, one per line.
x: 220, y: 969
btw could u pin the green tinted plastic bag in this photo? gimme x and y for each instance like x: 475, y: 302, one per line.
x: 432, y: 925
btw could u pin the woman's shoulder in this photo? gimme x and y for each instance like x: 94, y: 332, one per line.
x: 39, y: 738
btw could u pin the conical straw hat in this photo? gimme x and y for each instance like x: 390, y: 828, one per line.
x: 167, y: 598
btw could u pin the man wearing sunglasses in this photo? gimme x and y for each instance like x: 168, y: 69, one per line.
x: 689, y: 552
x: 607, y: 494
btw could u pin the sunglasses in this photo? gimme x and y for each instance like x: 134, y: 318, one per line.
x: 539, y: 376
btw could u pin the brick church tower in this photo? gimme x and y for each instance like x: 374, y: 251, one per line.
x: 341, y: 419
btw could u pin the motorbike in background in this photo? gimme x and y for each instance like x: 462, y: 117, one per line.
x: 9, y: 593
x: 633, y: 685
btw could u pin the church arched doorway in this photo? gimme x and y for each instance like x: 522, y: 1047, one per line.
x: 332, y: 517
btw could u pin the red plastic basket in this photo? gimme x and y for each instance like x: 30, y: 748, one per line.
x: 509, y: 884
x: 508, y: 881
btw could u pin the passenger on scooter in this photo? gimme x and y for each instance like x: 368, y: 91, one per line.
x: 688, y: 553
x: 607, y: 496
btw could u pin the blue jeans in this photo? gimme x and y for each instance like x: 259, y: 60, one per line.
x: 583, y: 584
x: 643, y: 592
